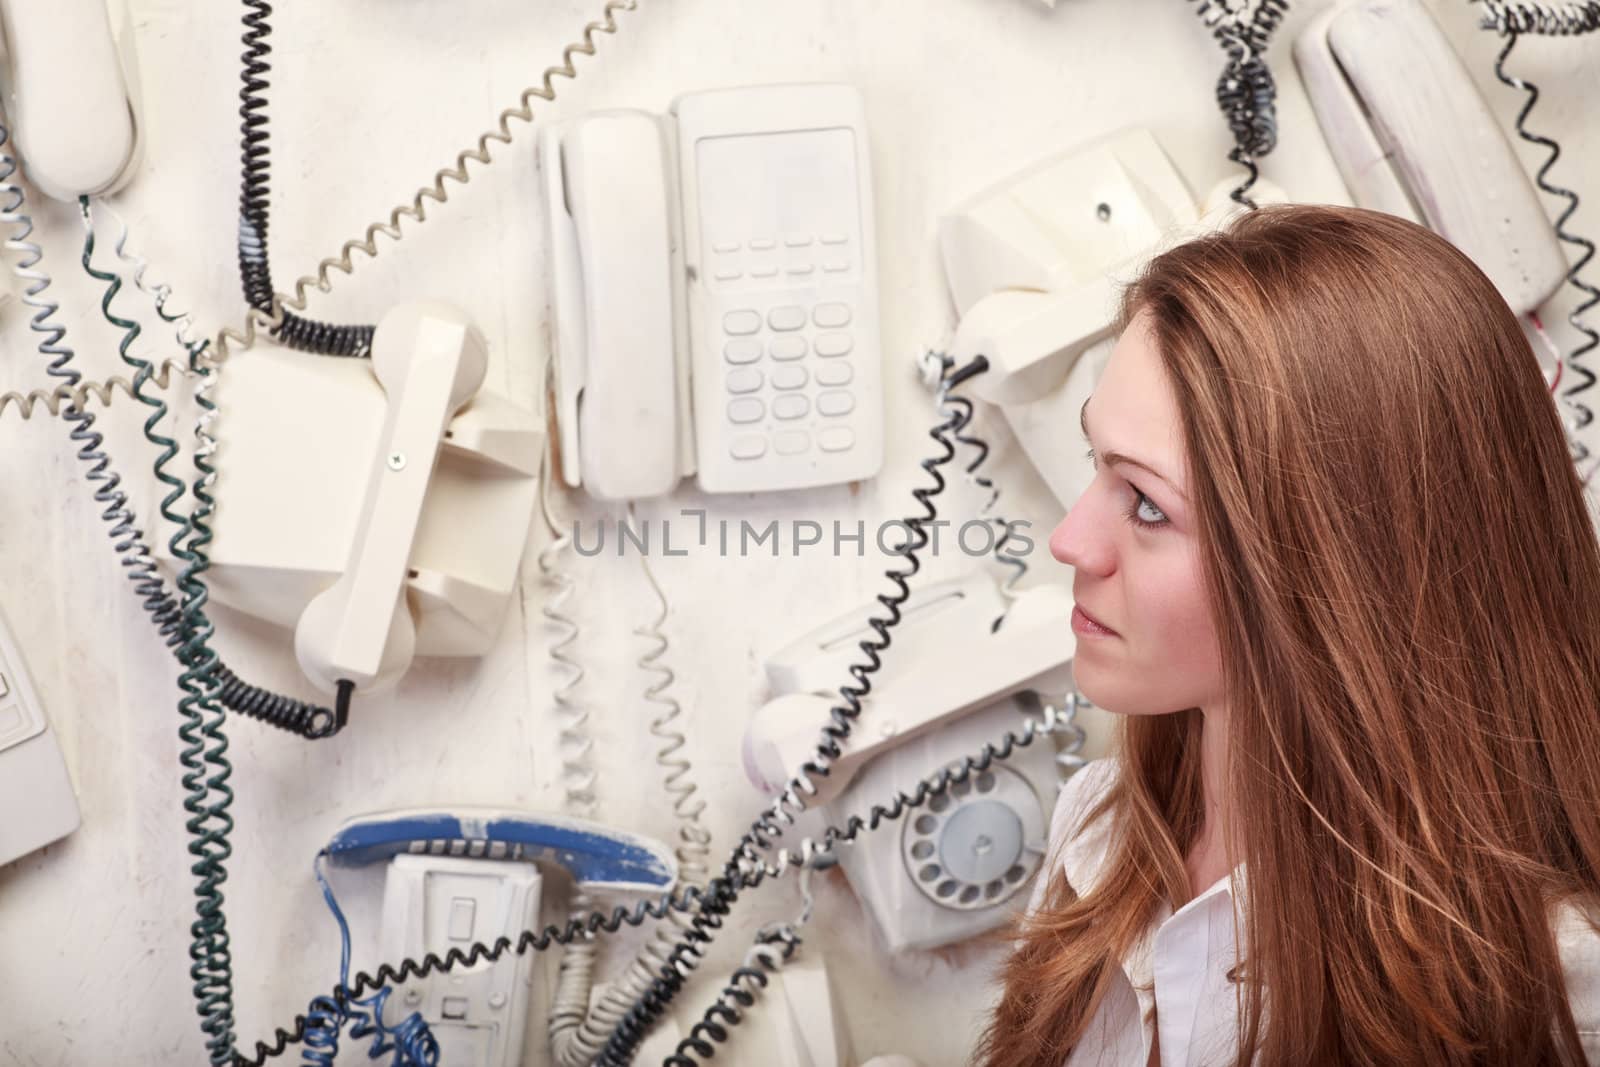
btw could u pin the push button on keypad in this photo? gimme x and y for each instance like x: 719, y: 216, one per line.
x: 741, y: 323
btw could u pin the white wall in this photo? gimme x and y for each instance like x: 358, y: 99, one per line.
x: 368, y: 98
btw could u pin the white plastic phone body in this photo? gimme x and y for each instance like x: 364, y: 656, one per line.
x: 950, y: 684
x: 1412, y: 136
x: 464, y: 875
x: 714, y: 287
x: 430, y: 362
x: 301, y: 505
x: 67, y: 94
x: 436, y: 903
x: 37, y: 804
x: 1036, y: 264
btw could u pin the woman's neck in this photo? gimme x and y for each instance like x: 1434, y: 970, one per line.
x: 1207, y: 860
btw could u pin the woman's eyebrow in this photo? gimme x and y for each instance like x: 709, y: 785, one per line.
x: 1119, y: 457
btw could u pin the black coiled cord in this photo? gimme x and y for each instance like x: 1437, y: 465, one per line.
x: 255, y: 272
x: 718, y: 1020
x: 630, y: 1032
x: 310, y: 721
x: 1246, y: 92
x: 744, y: 869
x: 710, y: 901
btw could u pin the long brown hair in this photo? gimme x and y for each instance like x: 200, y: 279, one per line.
x: 1405, y: 585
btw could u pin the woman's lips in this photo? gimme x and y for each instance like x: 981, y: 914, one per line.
x: 1087, y: 625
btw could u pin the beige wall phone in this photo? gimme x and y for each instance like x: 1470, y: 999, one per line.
x: 714, y: 288
x: 379, y: 508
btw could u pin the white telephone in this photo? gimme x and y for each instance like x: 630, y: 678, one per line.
x: 714, y: 289
x: 464, y: 875
x: 379, y: 508
x: 953, y: 683
x: 1412, y: 136
x: 70, y: 91
x: 1036, y: 264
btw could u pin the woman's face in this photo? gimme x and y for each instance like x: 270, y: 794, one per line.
x: 1141, y: 581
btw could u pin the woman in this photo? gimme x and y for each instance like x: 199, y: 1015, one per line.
x: 1349, y: 605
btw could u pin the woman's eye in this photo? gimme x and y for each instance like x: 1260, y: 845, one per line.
x: 1148, y: 512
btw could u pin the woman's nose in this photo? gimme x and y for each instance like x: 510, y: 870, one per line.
x: 1081, y: 540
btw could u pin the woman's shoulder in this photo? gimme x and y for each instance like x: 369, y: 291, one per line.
x: 1079, y: 795
x: 1079, y: 849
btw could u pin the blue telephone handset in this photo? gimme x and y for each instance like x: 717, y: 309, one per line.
x: 598, y: 857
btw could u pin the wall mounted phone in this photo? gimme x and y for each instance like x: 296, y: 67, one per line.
x: 379, y: 508
x: 714, y: 287
x: 467, y: 875
x: 1036, y: 264
x: 1412, y: 136
x: 70, y: 89
x: 953, y: 682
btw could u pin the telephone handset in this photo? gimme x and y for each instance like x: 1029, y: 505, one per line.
x: 955, y: 682
x: 714, y: 288
x: 378, y: 508
x: 1412, y: 136
x: 70, y: 90
x: 468, y: 875
x: 621, y: 354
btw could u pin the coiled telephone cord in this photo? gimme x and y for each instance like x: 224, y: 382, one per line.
x: 1246, y: 92
x: 1578, y: 414
x: 255, y: 201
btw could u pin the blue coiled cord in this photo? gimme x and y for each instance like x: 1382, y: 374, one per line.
x: 411, y: 1044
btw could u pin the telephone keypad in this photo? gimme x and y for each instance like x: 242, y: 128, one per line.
x: 771, y: 380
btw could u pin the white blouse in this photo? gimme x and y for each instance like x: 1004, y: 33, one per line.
x: 1180, y: 963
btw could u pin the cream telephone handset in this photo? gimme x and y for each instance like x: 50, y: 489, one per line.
x: 1412, y: 136
x: 714, y: 290
x: 954, y: 681
x: 70, y: 93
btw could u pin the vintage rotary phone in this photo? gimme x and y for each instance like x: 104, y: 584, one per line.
x: 1412, y: 136
x: 377, y: 508
x: 460, y: 876
x: 963, y: 676
x: 71, y: 91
